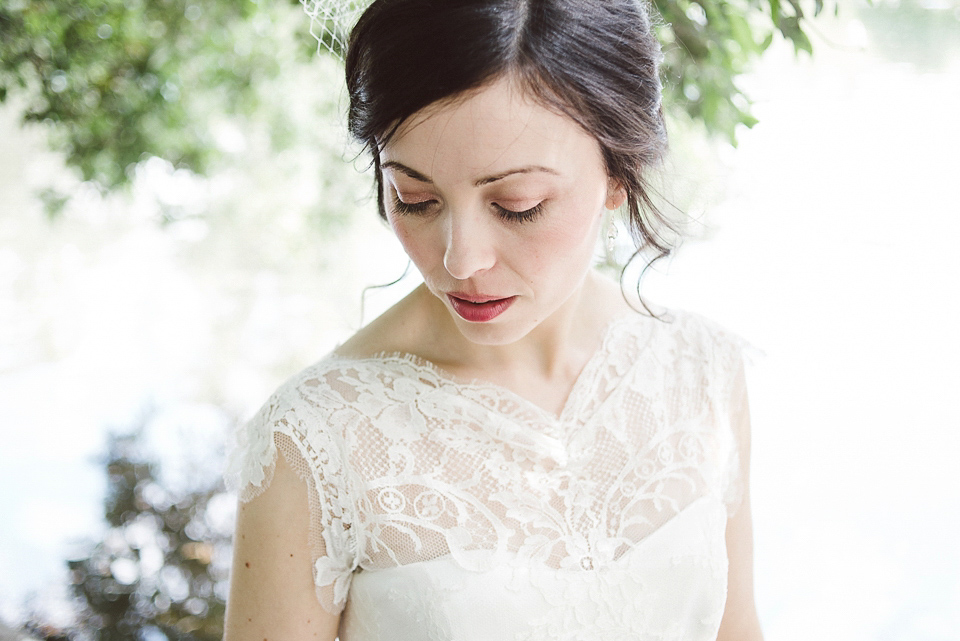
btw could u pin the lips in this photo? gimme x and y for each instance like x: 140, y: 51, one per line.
x: 479, y: 308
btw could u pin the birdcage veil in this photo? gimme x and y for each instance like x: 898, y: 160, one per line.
x: 331, y: 22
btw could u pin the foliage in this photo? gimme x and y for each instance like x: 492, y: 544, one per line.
x: 119, y: 81
x: 160, y: 570
x: 708, y: 43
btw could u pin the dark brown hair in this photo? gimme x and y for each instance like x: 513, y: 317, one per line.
x: 596, y: 61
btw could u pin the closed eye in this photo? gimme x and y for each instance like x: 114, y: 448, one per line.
x: 524, y: 216
x: 411, y: 208
x: 509, y: 215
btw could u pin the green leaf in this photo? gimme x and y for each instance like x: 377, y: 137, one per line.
x: 775, y: 12
x: 117, y: 81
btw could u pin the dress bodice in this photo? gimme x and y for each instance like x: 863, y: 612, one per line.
x: 451, y: 509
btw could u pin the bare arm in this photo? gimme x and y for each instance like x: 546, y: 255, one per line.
x: 272, y: 594
x: 740, y: 621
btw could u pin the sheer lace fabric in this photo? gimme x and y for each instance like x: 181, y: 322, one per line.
x: 451, y: 509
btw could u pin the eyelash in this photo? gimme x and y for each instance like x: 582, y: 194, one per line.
x: 524, y: 216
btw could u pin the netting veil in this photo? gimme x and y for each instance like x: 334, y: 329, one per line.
x: 332, y: 20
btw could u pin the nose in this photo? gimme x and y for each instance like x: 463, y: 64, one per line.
x: 470, y: 245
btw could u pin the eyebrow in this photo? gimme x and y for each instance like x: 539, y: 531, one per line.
x: 486, y: 180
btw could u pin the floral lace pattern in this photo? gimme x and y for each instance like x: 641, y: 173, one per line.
x: 413, y: 472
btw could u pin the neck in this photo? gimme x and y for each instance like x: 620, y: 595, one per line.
x: 555, y: 349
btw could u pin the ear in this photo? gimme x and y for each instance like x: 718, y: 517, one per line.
x: 616, y: 194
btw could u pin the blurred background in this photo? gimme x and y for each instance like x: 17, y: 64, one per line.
x: 184, y: 224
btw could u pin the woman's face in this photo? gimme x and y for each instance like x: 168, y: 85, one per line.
x: 497, y: 201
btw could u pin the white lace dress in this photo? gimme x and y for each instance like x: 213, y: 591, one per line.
x: 450, y: 509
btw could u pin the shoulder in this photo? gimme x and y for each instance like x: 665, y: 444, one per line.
x: 721, y: 354
x: 643, y: 317
x: 402, y: 328
x: 311, y: 387
x: 323, y: 391
x: 303, y: 417
x: 687, y: 344
x: 698, y: 333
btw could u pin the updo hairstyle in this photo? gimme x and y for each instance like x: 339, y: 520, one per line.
x: 595, y: 61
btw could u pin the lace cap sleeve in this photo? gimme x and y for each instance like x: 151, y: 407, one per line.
x: 730, y: 356
x: 294, y: 422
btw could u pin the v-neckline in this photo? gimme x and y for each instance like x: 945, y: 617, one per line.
x: 566, y: 409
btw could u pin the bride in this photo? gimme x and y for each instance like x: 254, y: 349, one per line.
x: 512, y: 451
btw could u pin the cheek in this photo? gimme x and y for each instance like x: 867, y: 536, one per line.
x: 415, y: 239
x: 562, y: 247
x: 575, y: 230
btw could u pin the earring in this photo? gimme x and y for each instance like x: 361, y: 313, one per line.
x: 611, y: 236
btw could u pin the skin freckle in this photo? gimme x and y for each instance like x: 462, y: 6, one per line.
x: 247, y: 564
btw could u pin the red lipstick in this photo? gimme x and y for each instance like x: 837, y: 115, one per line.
x: 479, y: 309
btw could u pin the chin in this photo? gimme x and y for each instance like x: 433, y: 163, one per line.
x: 491, y: 332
